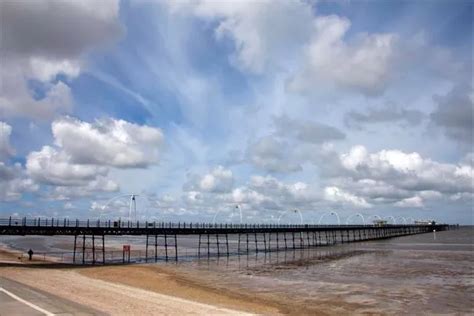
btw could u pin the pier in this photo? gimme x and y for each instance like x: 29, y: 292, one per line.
x: 212, y: 239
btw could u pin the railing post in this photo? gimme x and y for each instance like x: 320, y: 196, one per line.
x: 10, y: 221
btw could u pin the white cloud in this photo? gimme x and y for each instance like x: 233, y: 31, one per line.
x: 218, y: 180
x: 454, y: 114
x: 98, y: 185
x: 110, y: 142
x: 338, y: 196
x: 56, y: 168
x: 14, y: 182
x: 408, y: 171
x: 264, y: 32
x: 41, y: 40
x: 413, y: 202
x: 6, y: 150
x: 307, y: 131
x: 84, y: 152
x: 362, y: 65
x: 271, y: 154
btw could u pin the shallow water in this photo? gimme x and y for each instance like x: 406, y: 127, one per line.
x: 422, y: 274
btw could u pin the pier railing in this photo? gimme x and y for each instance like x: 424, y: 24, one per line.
x: 66, y: 222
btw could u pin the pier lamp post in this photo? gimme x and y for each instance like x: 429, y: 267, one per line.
x: 132, y: 203
x: 330, y: 213
x: 301, y: 215
x: 240, y: 212
x: 237, y: 207
x: 295, y: 211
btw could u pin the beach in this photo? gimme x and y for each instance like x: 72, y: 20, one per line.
x: 407, y: 275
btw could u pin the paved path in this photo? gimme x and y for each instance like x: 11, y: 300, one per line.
x: 17, y: 299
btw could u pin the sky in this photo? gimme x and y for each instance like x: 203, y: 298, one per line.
x: 208, y: 109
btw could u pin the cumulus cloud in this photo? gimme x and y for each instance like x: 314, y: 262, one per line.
x: 408, y: 171
x: 393, y: 177
x: 6, y: 150
x: 281, y: 34
x: 358, y: 120
x: 218, y: 180
x: 55, y: 167
x: 271, y: 154
x: 412, y: 202
x: 307, y: 131
x: 263, y: 32
x: 79, y: 163
x: 110, y: 142
x: 260, y: 196
x: 14, y: 182
x: 454, y: 114
x: 335, y: 194
x: 362, y: 64
x: 43, y: 39
x: 91, y: 188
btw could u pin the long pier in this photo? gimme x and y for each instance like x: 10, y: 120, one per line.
x: 212, y: 239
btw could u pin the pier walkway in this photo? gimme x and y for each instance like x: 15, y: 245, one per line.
x: 212, y: 239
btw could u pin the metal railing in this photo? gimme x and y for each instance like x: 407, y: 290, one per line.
x: 66, y: 222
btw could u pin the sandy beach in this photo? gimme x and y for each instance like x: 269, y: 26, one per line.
x: 130, y: 290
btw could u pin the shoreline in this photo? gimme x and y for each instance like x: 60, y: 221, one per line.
x: 170, y: 288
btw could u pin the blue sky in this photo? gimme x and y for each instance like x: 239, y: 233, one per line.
x: 199, y: 106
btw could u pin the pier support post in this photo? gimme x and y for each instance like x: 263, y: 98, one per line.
x: 278, y: 246
x: 247, y: 235
x: 256, y: 243
x: 146, y: 249
x: 156, y: 247
x: 199, y: 247
x: 208, y: 247
x: 166, y: 247
x: 84, y: 249
x: 265, y: 241
x: 238, y: 247
x: 176, y: 247
x: 75, y: 246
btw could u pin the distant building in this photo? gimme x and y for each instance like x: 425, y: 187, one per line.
x: 425, y: 222
x: 380, y: 222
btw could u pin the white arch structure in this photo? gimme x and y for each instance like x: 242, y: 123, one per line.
x: 132, y: 202
x: 330, y: 213
x: 236, y: 207
x: 404, y: 219
x: 375, y: 215
x: 357, y: 214
x: 412, y: 220
x: 295, y: 211
x: 393, y: 219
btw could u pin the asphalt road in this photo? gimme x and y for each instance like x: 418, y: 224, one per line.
x: 17, y: 299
